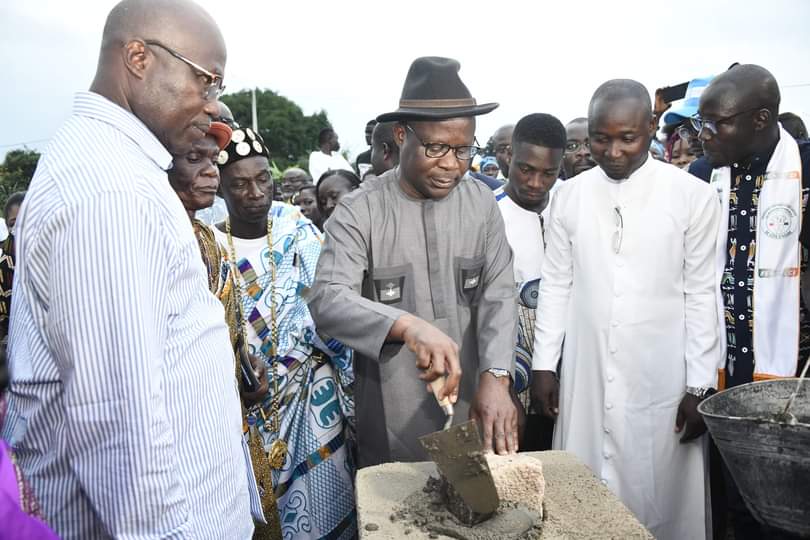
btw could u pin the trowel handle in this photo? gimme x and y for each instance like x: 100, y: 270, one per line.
x: 436, y: 385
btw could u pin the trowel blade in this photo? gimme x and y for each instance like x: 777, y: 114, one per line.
x: 459, y: 455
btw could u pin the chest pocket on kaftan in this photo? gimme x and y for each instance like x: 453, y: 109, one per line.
x: 469, y: 278
x: 393, y: 286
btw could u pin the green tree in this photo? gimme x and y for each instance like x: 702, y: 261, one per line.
x: 288, y: 132
x: 16, y: 171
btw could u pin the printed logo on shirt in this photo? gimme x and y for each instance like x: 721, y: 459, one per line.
x: 470, y: 278
x: 389, y: 290
x: 787, y: 272
x: 780, y: 221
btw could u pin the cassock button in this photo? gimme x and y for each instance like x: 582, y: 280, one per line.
x: 743, y: 213
x: 610, y: 378
x: 744, y: 349
x: 743, y: 247
x: 604, y: 482
x: 607, y: 456
x: 741, y: 283
x: 748, y: 177
x: 609, y: 406
x: 613, y: 350
x: 607, y: 430
x: 741, y: 317
x: 614, y: 324
x: 735, y: 165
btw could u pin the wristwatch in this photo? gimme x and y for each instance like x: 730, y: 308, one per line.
x: 498, y: 372
x: 700, y: 392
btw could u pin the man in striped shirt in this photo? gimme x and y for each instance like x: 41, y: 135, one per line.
x: 123, y: 409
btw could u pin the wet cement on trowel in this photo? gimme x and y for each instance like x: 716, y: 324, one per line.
x: 425, y: 510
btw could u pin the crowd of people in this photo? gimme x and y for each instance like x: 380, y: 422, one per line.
x: 195, y: 350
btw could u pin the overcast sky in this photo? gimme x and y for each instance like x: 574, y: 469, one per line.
x: 350, y: 58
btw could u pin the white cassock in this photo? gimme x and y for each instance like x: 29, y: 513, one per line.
x: 639, y: 326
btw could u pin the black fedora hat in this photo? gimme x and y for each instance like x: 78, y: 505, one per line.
x: 434, y: 91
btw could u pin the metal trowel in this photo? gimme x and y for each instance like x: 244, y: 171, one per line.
x: 459, y: 455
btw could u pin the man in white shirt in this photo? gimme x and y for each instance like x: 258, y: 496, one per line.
x: 537, y: 146
x: 327, y: 158
x: 629, y: 282
x: 123, y: 408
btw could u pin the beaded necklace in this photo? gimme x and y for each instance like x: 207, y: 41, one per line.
x: 278, y: 450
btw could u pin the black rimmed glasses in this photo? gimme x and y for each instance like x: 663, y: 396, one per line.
x: 699, y: 122
x: 213, y: 87
x: 572, y: 146
x: 437, y: 150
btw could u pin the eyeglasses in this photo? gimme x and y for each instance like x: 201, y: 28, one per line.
x: 686, y: 132
x: 572, y: 146
x: 437, y: 150
x: 699, y: 123
x: 213, y: 87
x: 619, y: 232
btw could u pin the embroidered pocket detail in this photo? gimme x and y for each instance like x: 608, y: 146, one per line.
x: 394, y: 286
x: 469, y: 276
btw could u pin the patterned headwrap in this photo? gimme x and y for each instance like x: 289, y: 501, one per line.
x: 244, y: 143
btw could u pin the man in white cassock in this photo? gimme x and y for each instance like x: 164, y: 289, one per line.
x: 629, y: 283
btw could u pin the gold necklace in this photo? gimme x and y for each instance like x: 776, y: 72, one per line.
x: 278, y: 450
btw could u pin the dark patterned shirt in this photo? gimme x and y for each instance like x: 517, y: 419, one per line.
x: 737, y: 285
x: 6, y: 279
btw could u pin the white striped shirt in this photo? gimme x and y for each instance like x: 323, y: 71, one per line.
x: 123, y: 406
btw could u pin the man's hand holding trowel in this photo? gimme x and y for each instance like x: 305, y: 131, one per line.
x: 437, y: 357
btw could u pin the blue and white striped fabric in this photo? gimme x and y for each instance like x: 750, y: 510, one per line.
x: 123, y: 406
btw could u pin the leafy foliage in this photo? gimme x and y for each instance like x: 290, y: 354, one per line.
x: 16, y: 172
x: 288, y: 132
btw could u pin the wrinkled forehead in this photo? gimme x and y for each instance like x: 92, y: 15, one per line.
x: 207, y: 144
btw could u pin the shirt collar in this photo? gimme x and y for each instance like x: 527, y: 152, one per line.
x: 92, y: 105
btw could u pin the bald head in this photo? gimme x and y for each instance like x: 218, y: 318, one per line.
x: 145, y: 66
x: 744, y: 86
x: 292, y: 180
x: 502, y: 142
x: 174, y: 21
x: 620, y: 127
x: 617, y: 90
x: 384, y: 149
x: 741, y: 107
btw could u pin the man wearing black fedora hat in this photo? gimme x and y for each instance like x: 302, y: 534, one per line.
x: 418, y: 256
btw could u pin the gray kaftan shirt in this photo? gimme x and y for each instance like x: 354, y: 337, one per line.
x: 446, y: 261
